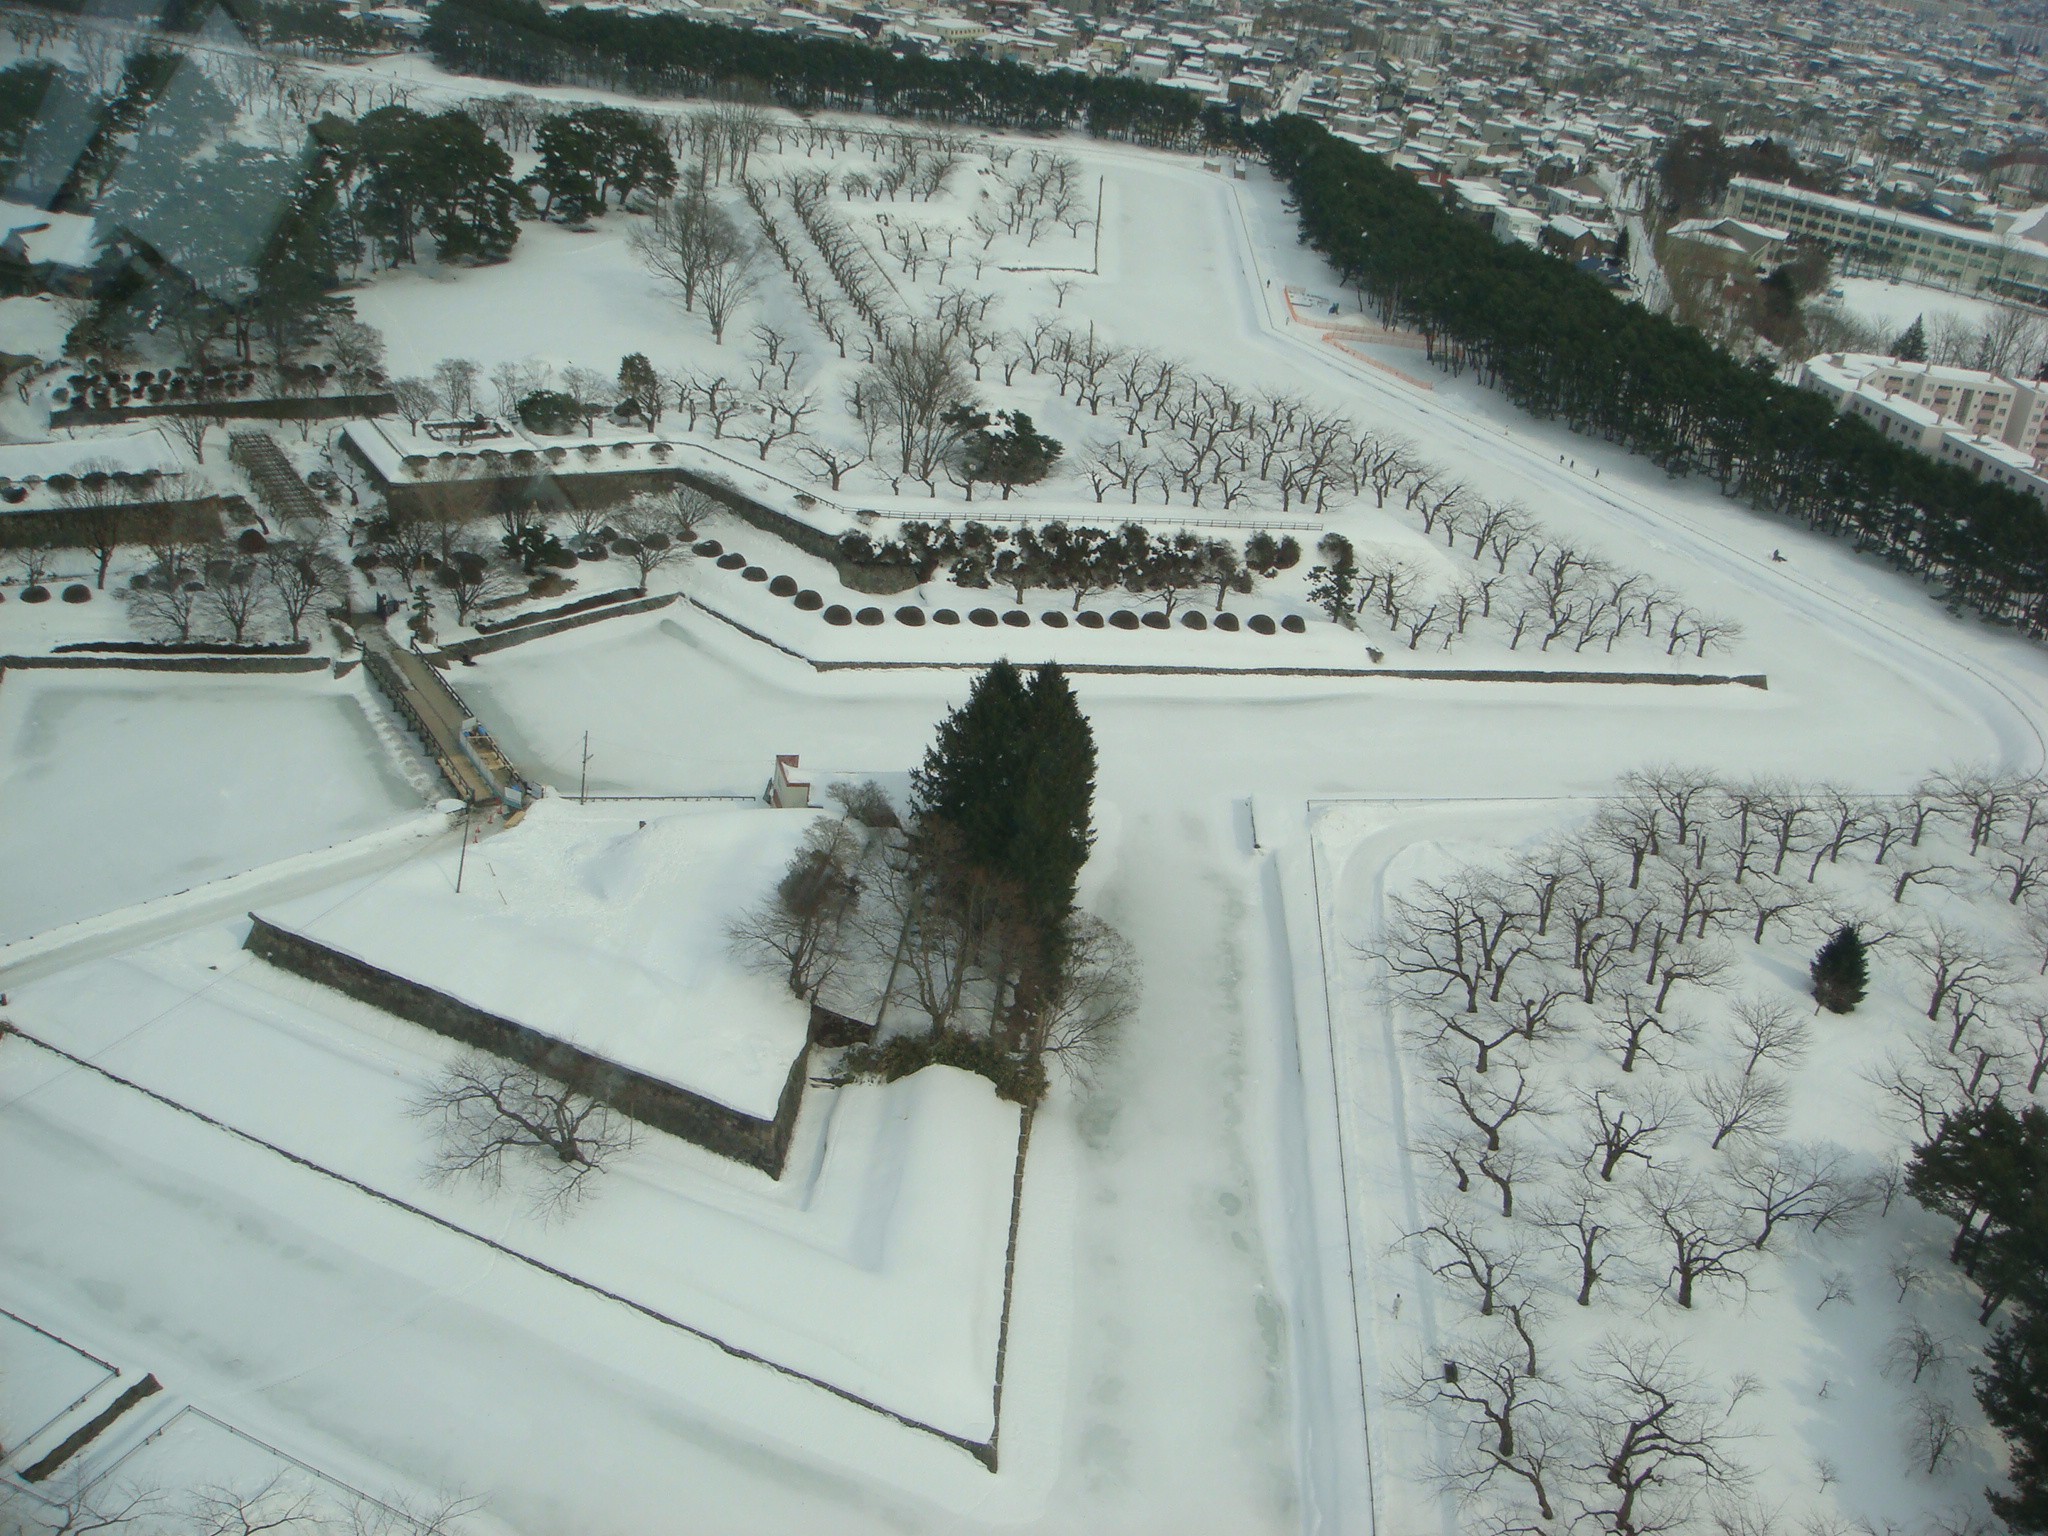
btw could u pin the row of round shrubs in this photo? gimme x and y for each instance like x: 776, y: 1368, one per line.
x: 987, y: 618
x: 77, y: 592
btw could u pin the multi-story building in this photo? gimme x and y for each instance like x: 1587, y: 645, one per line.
x: 1984, y: 422
x: 2009, y: 259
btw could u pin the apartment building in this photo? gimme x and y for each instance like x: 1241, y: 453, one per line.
x: 2009, y: 260
x: 1983, y: 422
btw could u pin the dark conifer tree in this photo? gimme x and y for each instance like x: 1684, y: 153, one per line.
x: 1841, y: 971
x: 2012, y: 1386
x: 1055, y: 824
x: 1911, y: 347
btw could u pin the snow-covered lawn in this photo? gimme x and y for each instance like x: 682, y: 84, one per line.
x: 875, y: 1263
x: 119, y: 787
x: 45, y: 1378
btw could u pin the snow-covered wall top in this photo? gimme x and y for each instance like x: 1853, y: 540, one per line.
x: 601, y: 929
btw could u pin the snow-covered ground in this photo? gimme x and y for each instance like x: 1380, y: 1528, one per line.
x: 1186, y: 1351
x: 1892, y: 305
x: 119, y: 787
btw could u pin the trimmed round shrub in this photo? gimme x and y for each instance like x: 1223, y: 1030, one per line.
x: 809, y: 601
x: 945, y: 616
x: 707, y: 548
x: 78, y: 592
x: 1052, y: 618
x: 783, y: 586
x: 1156, y: 621
x: 1194, y: 618
x: 732, y: 560
x: 1261, y: 624
x: 1088, y: 618
x: 550, y: 411
x: 1227, y: 622
x: 594, y: 550
x: 250, y: 541
x: 1294, y: 624
x: 753, y: 573
x: 911, y: 615
x: 837, y: 614
x: 985, y: 617
x: 870, y: 617
x: 35, y: 594
x: 14, y: 495
x: 1123, y: 618
x: 1016, y: 618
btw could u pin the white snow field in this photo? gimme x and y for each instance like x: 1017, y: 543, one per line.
x: 116, y: 788
x: 1203, y: 1227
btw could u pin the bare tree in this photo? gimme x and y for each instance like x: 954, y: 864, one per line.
x: 1951, y: 958
x: 1635, y: 1029
x: 1456, y: 1250
x: 233, y: 592
x: 1740, y: 1104
x: 1581, y: 1219
x: 1914, y: 1352
x: 1767, y: 1029
x: 1093, y: 993
x: 1795, y: 1183
x: 489, y: 1110
x: 297, y: 575
x: 1617, y: 1129
x: 1933, y: 1432
x: 1489, y: 1103
x: 283, y: 1503
x: 800, y: 931
x: 727, y: 284
x: 415, y: 400
x: 1512, y: 1427
x: 76, y: 1503
x: 1657, y: 1437
x: 1703, y: 1233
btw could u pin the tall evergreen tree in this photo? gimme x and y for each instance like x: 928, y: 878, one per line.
x: 972, y: 773
x: 1841, y: 971
x: 1911, y: 347
x: 2012, y: 1387
x: 1055, y: 826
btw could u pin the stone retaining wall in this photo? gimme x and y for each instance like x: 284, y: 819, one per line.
x: 117, y: 662
x: 762, y: 1144
x: 519, y: 634
x: 200, y: 520
x: 261, y: 408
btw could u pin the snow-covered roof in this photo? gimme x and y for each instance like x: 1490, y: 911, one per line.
x: 61, y: 239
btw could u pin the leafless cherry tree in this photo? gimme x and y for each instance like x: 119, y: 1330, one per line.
x: 489, y: 1111
x: 800, y: 930
x: 1747, y: 1104
x: 1658, y: 1437
x: 1769, y: 1030
x: 1704, y: 1234
x: 1618, y: 1128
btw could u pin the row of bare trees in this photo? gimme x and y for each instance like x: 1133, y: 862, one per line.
x: 224, y: 592
x: 1608, y: 1108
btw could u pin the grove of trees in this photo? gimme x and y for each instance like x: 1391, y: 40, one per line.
x: 1623, y: 1107
x: 956, y: 923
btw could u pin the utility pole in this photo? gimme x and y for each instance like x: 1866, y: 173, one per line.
x: 583, y: 779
